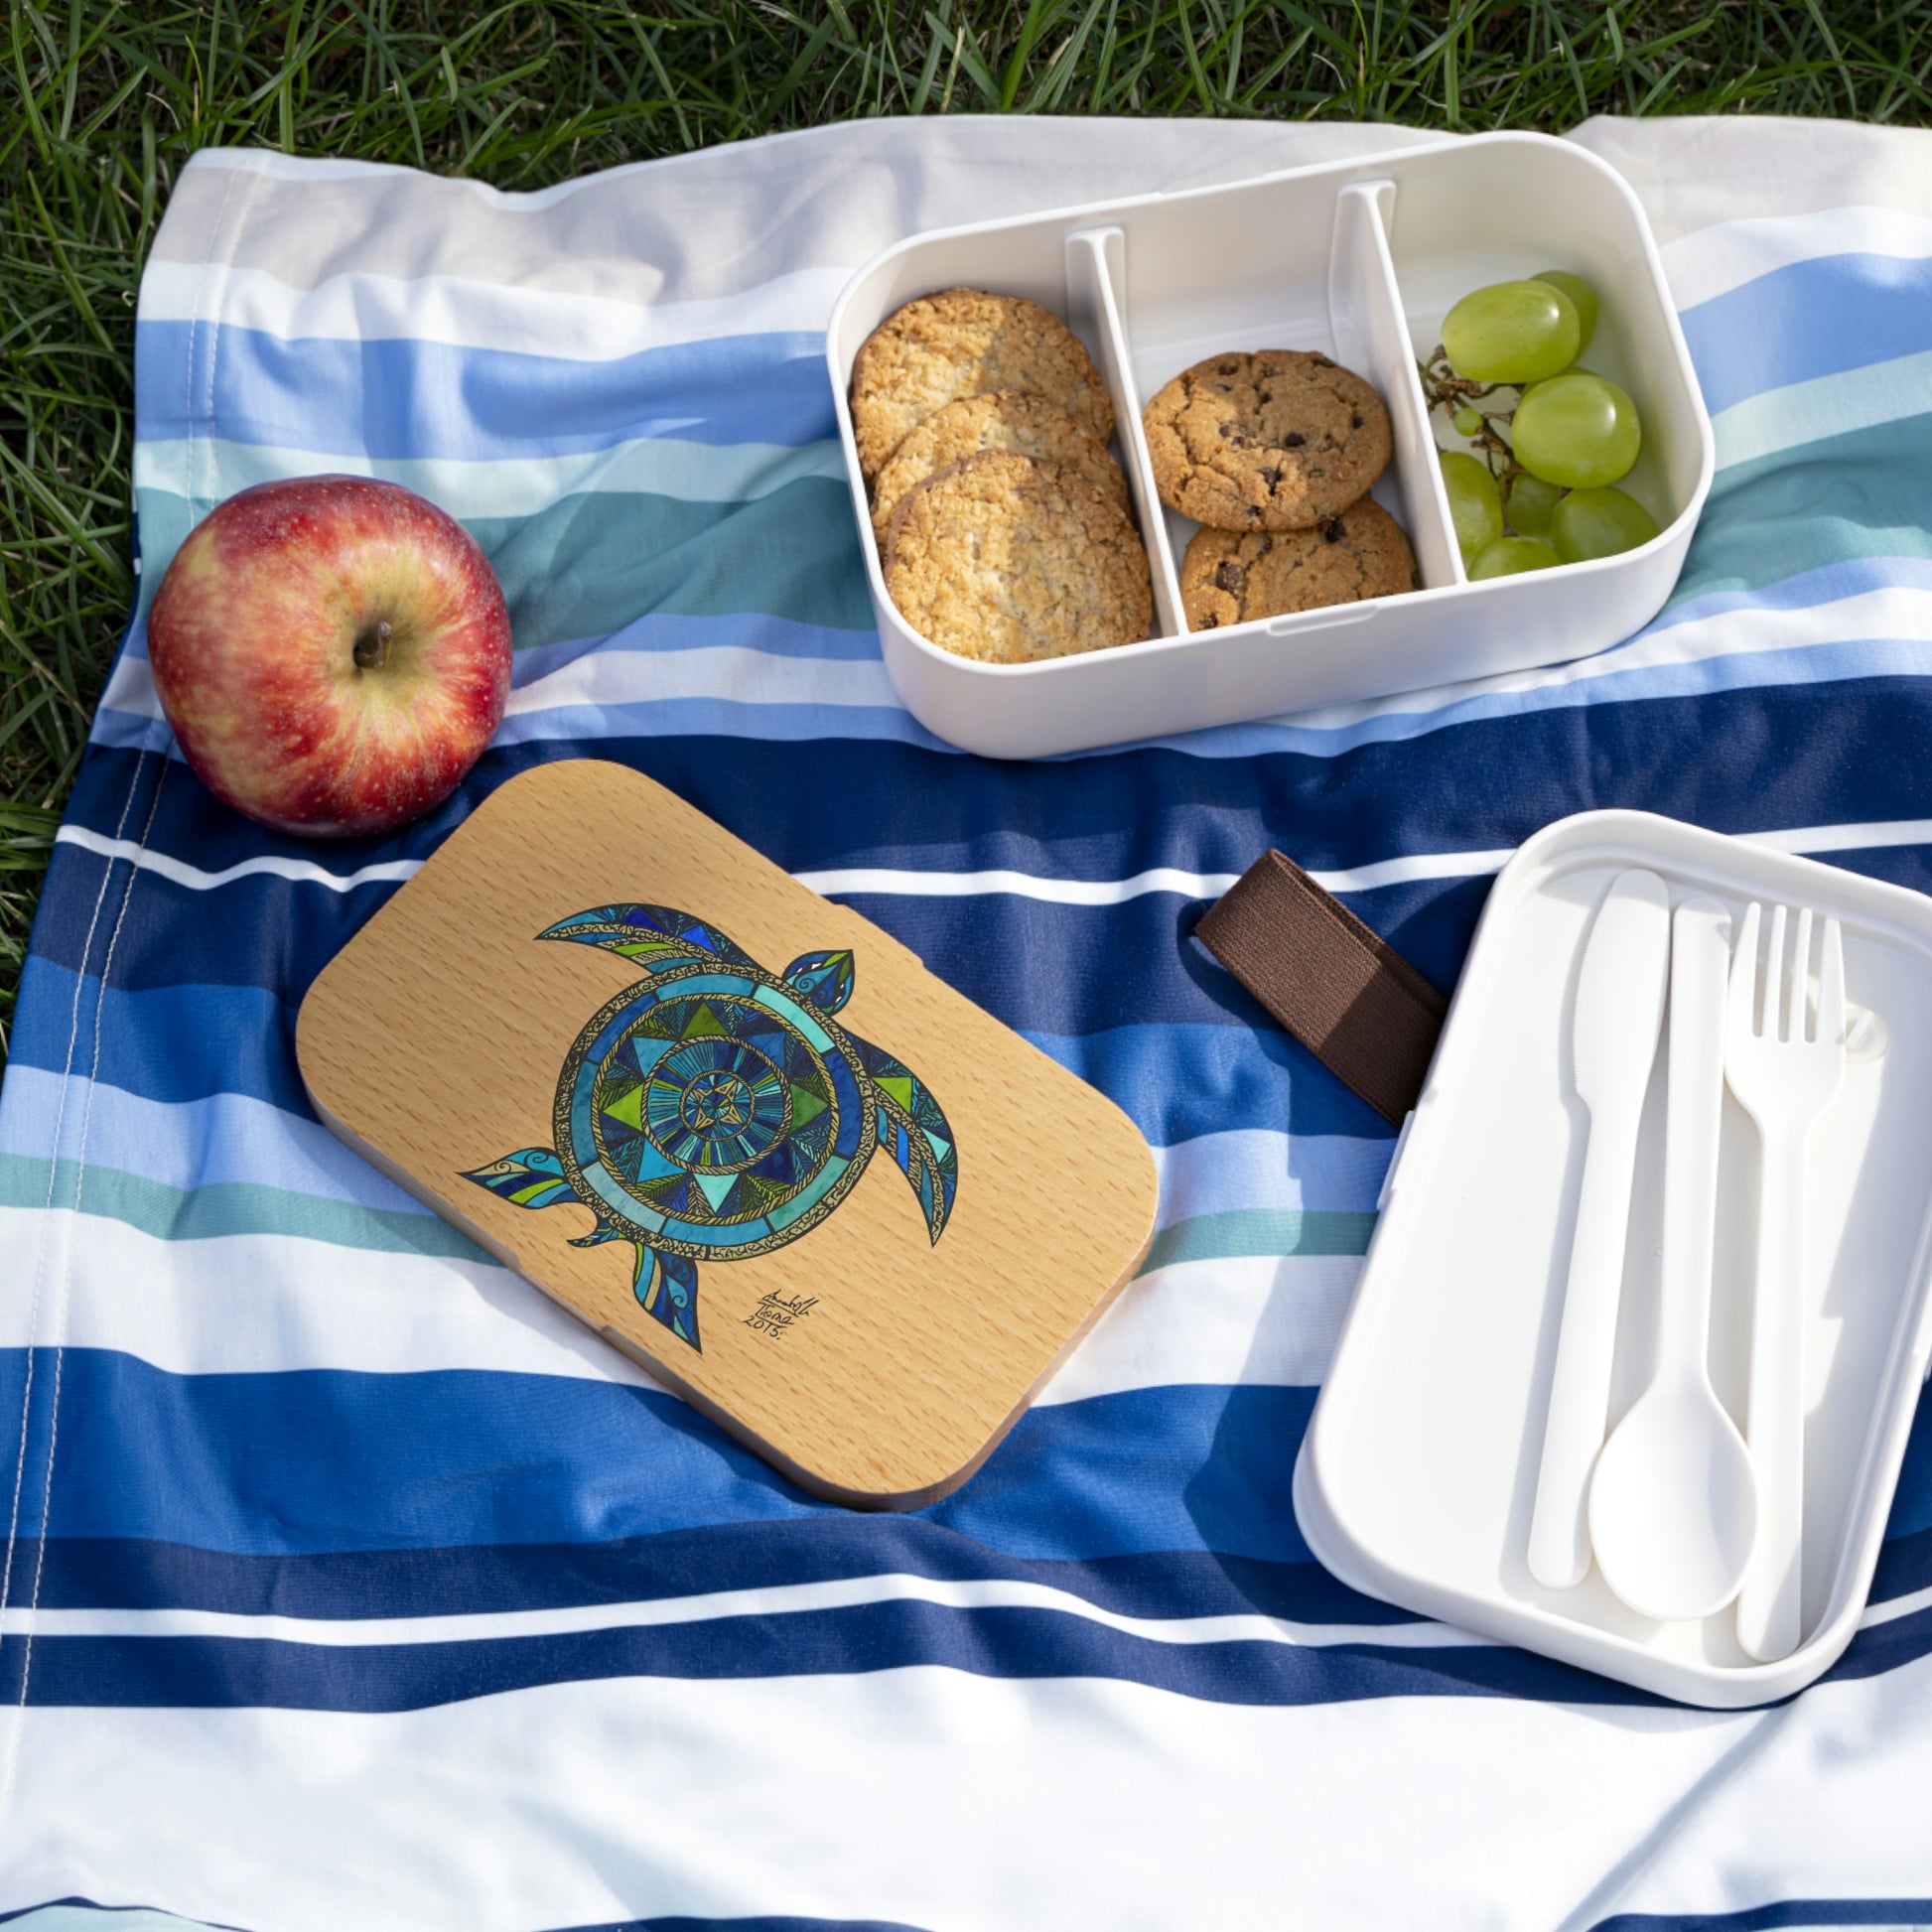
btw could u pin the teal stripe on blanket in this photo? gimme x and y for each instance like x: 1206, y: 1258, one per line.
x: 1260, y: 1231
x: 593, y: 563
x: 226, y: 1207
x: 1858, y: 494
x: 218, y: 1208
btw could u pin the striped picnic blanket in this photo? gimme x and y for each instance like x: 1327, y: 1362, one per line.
x: 348, y: 1583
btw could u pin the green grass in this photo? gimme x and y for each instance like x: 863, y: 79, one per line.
x: 101, y: 101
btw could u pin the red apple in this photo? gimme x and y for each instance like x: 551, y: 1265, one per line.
x: 332, y: 653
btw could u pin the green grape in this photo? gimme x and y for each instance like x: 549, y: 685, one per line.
x: 1581, y: 295
x: 1530, y: 504
x: 1468, y: 422
x: 1599, y: 523
x: 1578, y: 431
x: 1509, y: 555
x: 1476, y: 504
x: 1512, y: 332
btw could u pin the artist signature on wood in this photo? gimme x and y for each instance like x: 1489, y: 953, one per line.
x: 716, y: 1110
x: 775, y: 1314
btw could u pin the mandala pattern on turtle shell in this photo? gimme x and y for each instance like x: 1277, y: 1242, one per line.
x: 716, y: 1110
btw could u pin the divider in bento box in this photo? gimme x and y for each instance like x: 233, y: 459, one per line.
x: 1095, y: 291
x: 1303, y: 266
x: 1323, y: 283
x: 1072, y: 272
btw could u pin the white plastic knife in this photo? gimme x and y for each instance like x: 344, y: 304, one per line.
x: 1619, y: 1015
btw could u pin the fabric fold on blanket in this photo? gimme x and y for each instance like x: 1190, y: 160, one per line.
x: 348, y: 1581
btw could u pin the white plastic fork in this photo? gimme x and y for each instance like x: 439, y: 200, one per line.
x: 1785, y: 1078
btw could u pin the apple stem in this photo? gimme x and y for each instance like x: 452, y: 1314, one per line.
x: 373, y: 649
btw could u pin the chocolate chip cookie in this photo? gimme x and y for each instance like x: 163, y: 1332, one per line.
x: 962, y: 343
x: 1278, y: 439
x: 1004, y: 558
x: 1227, y: 577
x: 1007, y: 419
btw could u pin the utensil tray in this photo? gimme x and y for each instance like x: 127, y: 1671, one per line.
x: 1418, y: 1474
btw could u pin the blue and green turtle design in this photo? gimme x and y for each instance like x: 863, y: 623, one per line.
x: 716, y: 1110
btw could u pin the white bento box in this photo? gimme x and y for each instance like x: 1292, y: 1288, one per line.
x: 1418, y: 1476
x: 1359, y: 260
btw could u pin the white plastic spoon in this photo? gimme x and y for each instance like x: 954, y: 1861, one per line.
x: 1672, y: 1503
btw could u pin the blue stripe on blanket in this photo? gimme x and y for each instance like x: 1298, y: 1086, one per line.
x: 1001, y: 948
x: 465, y: 1458
x: 224, y: 1139
x: 124, y: 1573
x: 190, y: 1042
x: 1481, y: 786
x: 402, y: 398
x: 1807, y: 319
x: 329, y: 1460
x: 751, y: 1554
x: 1006, y: 1642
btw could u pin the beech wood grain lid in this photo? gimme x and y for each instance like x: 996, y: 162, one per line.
x: 737, y: 1128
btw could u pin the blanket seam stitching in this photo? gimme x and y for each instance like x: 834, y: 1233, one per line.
x: 67, y: 1288
x: 47, y: 1232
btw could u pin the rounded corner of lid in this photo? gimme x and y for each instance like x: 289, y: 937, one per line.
x: 1604, y: 823
x: 1314, y: 1485
x: 913, y: 1488
x: 1556, y: 833
x: 1307, y: 1497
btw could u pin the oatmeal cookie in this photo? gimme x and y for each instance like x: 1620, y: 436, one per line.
x: 1007, y: 559
x: 1227, y: 577
x: 962, y: 343
x: 1278, y: 439
x: 1005, y: 419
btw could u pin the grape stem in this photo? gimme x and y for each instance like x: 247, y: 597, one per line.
x: 1444, y: 389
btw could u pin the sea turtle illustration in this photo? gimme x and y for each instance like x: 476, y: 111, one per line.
x: 715, y: 1110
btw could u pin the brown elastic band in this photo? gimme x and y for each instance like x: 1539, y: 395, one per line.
x: 1349, y: 998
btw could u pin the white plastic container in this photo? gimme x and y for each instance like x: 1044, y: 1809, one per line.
x: 1417, y: 1477
x: 1359, y: 260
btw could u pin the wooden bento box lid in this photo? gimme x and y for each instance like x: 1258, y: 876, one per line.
x: 737, y: 1128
